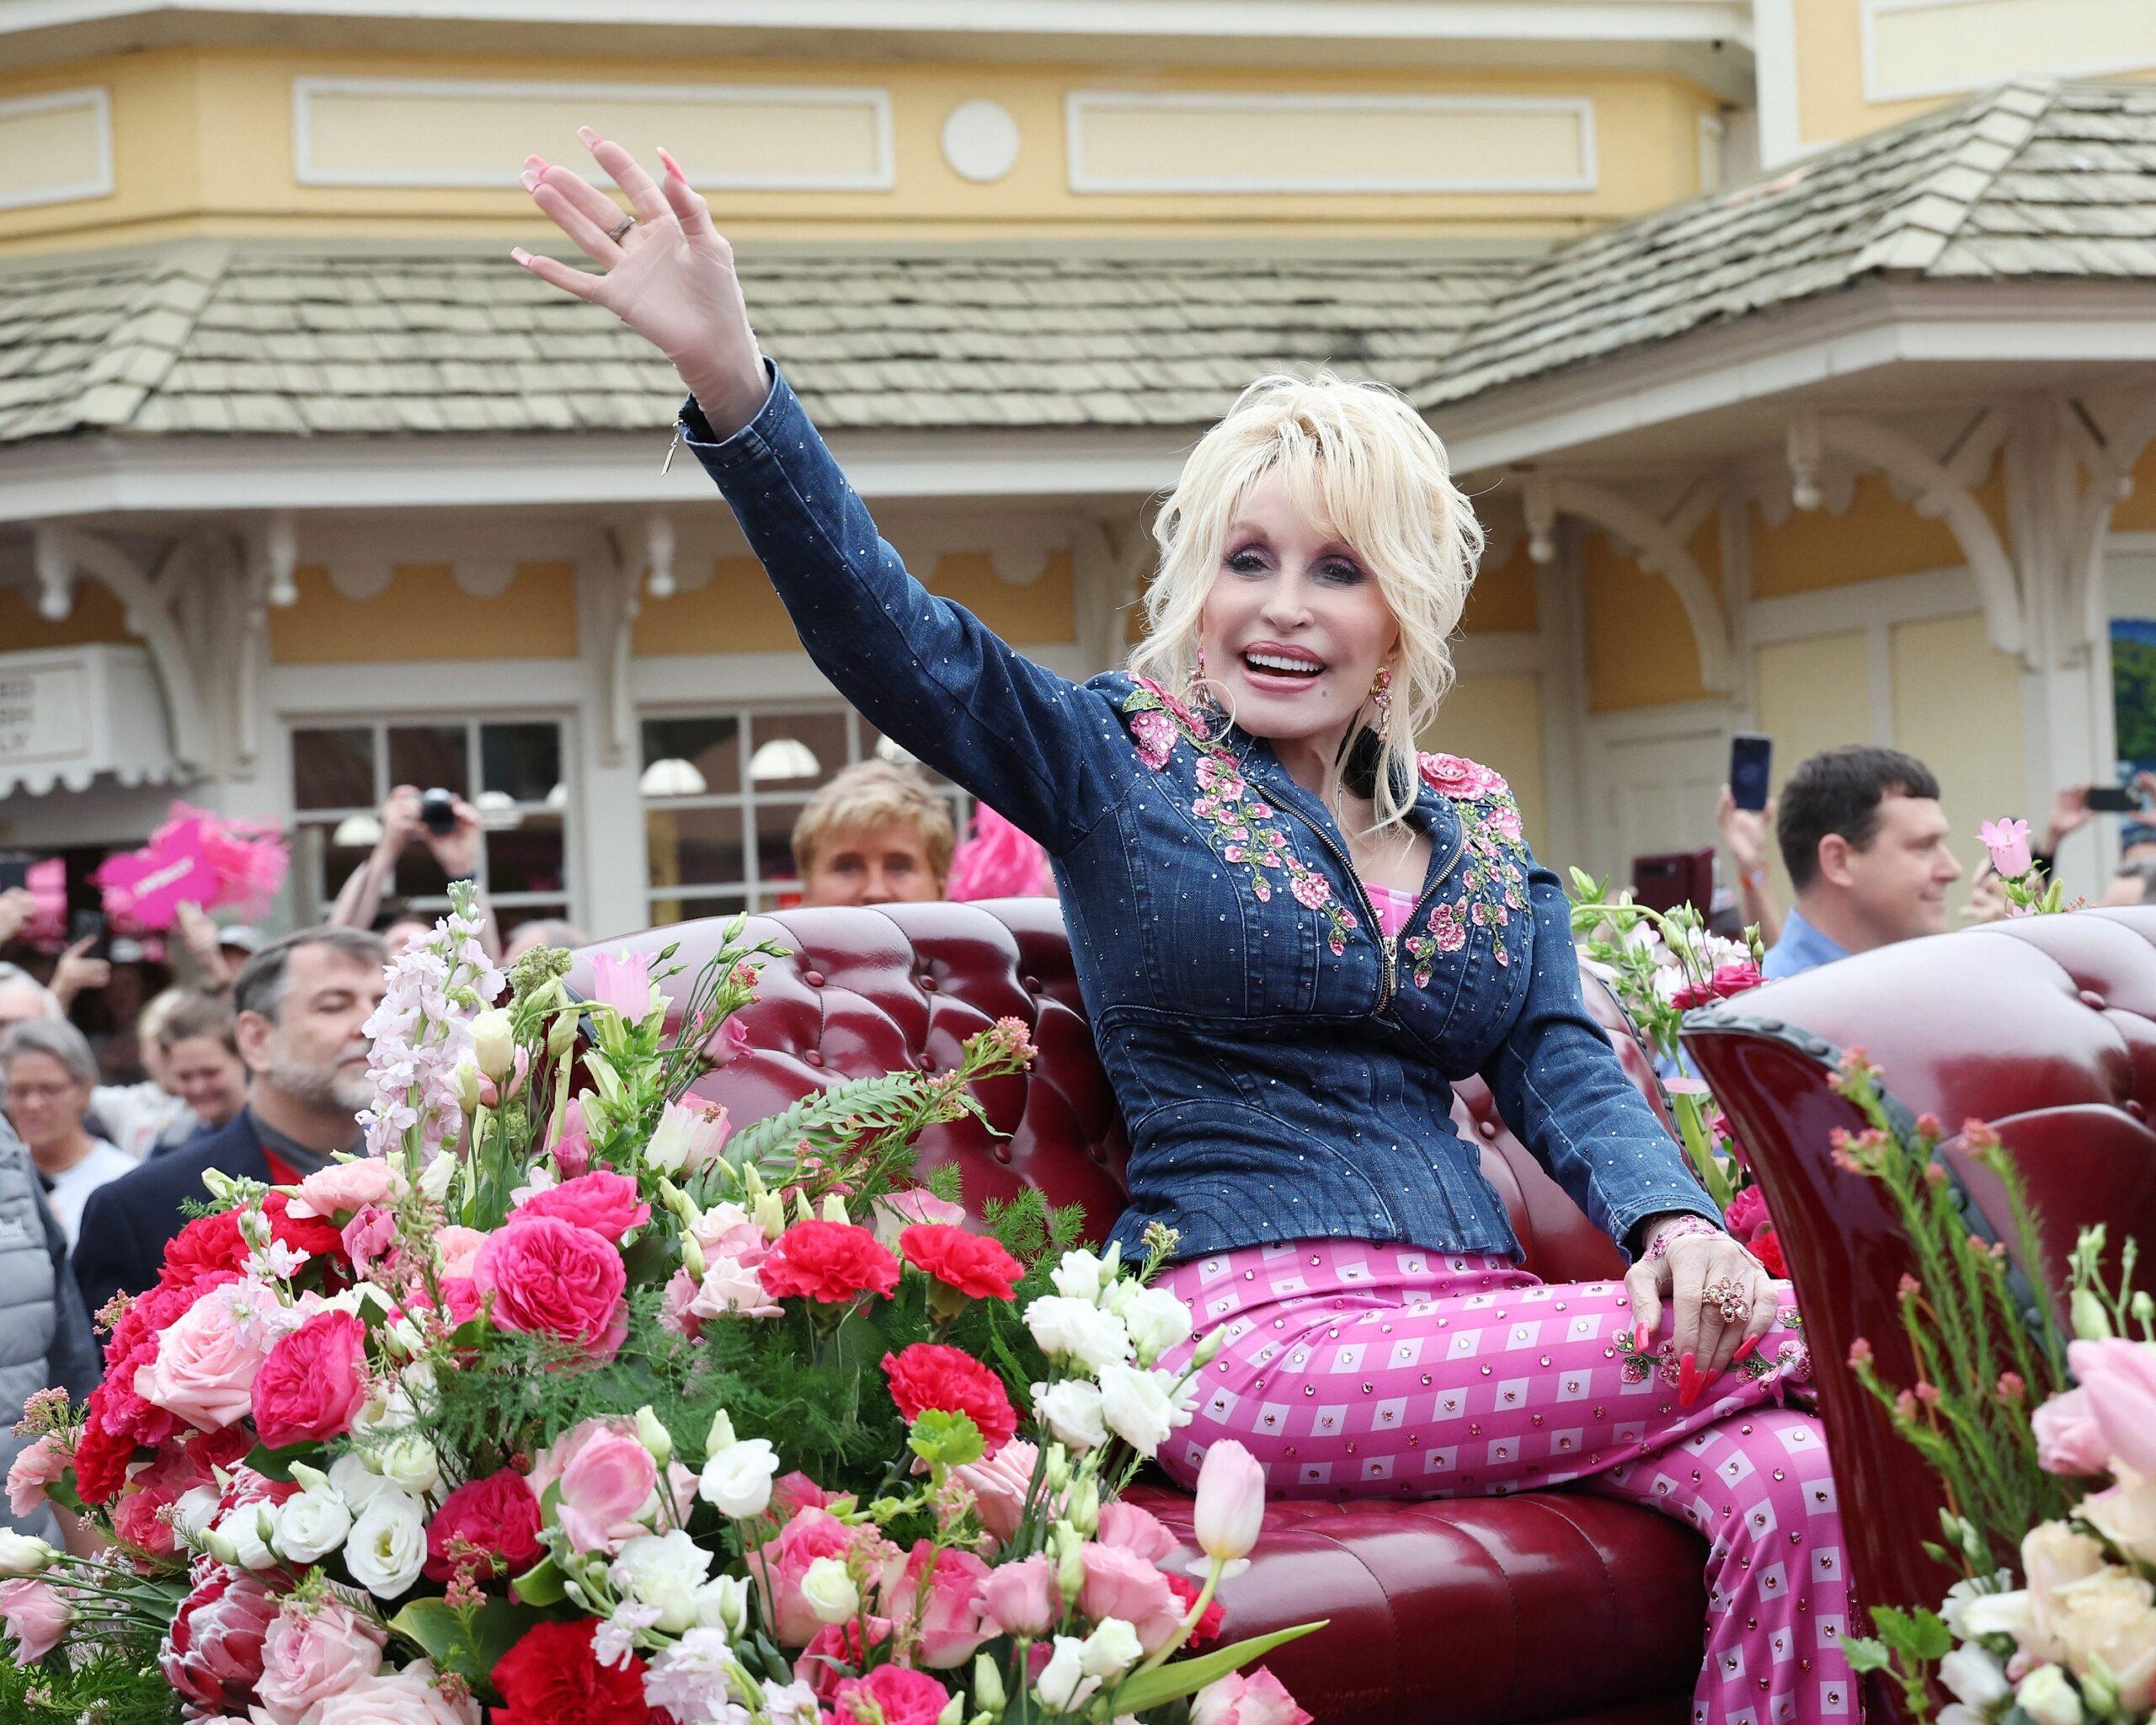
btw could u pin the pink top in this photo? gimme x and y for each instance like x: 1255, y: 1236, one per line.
x: 1392, y: 907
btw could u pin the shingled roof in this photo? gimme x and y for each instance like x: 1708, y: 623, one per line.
x: 2033, y: 179
x: 237, y: 338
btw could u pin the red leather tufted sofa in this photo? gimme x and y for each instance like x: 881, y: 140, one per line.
x: 1547, y: 1605
x: 2040, y: 1026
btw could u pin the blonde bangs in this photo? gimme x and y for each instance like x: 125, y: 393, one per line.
x: 1364, y: 467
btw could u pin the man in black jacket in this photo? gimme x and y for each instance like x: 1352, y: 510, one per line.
x: 302, y: 1002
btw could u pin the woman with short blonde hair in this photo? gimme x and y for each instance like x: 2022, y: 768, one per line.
x: 1294, y: 934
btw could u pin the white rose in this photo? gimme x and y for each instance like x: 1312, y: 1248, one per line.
x: 830, y: 1591
x: 737, y: 1479
x: 722, y: 1603
x: 662, y: 1571
x: 1137, y: 1407
x: 2109, y: 1621
x: 409, y: 1463
x: 1063, y: 1685
x: 2125, y: 1515
x: 1081, y: 1275
x: 1111, y: 1649
x: 1063, y: 1325
x: 2047, y: 1697
x: 21, y: 1555
x: 1072, y: 1409
x: 1975, y: 1676
x: 1156, y: 1319
x: 355, y: 1482
x: 387, y: 1544
x: 312, y: 1526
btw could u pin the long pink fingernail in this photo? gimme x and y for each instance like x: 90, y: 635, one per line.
x: 530, y: 177
x: 673, y: 167
x: 1640, y: 1339
x: 520, y: 254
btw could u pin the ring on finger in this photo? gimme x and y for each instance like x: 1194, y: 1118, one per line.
x: 615, y: 232
x: 1732, y: 1302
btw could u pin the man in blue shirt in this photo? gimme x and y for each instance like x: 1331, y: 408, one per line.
x: 1866, y: 844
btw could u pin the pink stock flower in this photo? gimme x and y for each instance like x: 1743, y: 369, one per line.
x: 2008, y: 841
x: 2069, y: 1439
x: 606, y: 1478
x: 41, y: 1463
x: 343, y: 1187
x: 1020, y: 1598
x: 603, y: 1201
x: 308, y: 1656
x: 2118, y: 1382
x: 370, y: 1235
x: 1120, y: 1583
x: 624, y: 983
x: 35, y: 1616
x: 1231, y: 1504
x: 1130, y: 1529
x: 552, y: 1278
x: 1246, y: 1698
x: 947, y: 1617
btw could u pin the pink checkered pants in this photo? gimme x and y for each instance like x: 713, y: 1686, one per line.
x: 1353, y: 1371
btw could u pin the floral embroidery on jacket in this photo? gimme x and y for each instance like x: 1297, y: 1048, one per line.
x: 1491, y: 882
x: 1243, y: 824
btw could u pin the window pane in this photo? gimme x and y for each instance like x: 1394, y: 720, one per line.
x: 875, y: 746
x: 664, y: 911
x: 333, y: 769
x: 425, y: 756
x: 527, y: 858
x: 512, y: 917
x: 693, y: 846
x: 522, y: 761
x: 775, y: 842
x: 795, y: 751
x: 709, y: 744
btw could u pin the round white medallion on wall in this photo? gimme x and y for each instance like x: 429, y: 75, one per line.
x: 980, y: 140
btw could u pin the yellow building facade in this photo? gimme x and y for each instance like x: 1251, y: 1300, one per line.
x: 1759, y: 448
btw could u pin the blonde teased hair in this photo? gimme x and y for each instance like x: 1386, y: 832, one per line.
x: 1361, y: 463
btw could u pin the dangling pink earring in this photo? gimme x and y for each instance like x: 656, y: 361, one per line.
x: 1381, y: 699
x: 1194, y: 689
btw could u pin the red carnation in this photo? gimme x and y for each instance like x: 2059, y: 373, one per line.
x: 101, y: 1459
x: 1768, y: 1249
x: 203, y: 1246
x: 316, y: 1236
x: 950, y: 1380
x: 974, y: 1264
x: 830, y: 1261
x: 551, y: 1677
x: 1208, y: 1628
x: 496, y: 1517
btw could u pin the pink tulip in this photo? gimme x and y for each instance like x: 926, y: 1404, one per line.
x: 35, y: 1615
x: 1021, y: 1597
x: 1254, y: 1698
x: 2069, y: 1439
x: 2008, y: 841
x: 2118, y: 1379
x: 1230, y: 1502
x: 624, y: 983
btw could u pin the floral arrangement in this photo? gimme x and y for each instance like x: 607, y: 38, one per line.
x: 561, y: 1406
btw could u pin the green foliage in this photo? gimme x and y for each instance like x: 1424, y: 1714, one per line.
x: 467, y: 1641
x: 1167, y: 1683
x: 120, y: 1684
x: 2133, y: 694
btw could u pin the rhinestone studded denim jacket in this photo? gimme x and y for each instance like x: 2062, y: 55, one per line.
x: 1285, y: 1069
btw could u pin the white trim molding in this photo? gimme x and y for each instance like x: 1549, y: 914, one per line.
x: 1241, y: 105
x: 883, y: 177
x: 98, y: 182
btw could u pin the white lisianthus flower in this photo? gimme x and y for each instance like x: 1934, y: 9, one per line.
x: 1156, y: 1319
x: 408, y: 1462
x: 1063, y: 1686
x: 830, y: 1591
x: 434, y: 1178
x: 663, y: 1570
x: 723, y: 1602
x: 1082, y: 1274
x: 492, y: 1043
x: 246, y: 1533
x: 1975, y: 1676
x: 2048, y: 1696
x: 1067, y: 1327
x: 791, y: 1704
x: 1072, y: 1410
x: 312, y: 1524
x: 21, y: 1555
x: 1959, y: 1596
x: 1997, y: 1613
x: 354, y: 1481
x: 195, y: 1511
x: 685, y: 1138
x: 387, y: 1544
x: 737, y: 1479
x: 1111, y: 1649
x: 1137, y: 1407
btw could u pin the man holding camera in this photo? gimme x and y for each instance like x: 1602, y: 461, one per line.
x: 450, y: 828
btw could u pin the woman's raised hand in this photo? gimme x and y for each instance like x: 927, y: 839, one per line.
x: 668, y: 273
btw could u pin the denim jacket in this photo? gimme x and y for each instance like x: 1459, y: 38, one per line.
x: 1284, y: 1071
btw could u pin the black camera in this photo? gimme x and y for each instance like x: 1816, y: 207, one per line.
x: 438, y: 812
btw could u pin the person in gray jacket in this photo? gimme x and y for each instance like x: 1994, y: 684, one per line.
x: 45, y: 1333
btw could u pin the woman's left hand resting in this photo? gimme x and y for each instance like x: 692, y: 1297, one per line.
x: 1723, y: 1298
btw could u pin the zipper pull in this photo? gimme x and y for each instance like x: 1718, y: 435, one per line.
x: 670, y: 448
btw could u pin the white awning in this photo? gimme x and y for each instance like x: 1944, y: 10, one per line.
x: 70, y: 714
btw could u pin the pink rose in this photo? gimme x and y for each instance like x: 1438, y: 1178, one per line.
x: 40, y: 1464
x: 897, y: 1211
x: 890, y: 1695
x: 343, y: 1187
x: 313, y: 1382
x: 1241, y: 1698
x: 607, y: 1479
x: 1130, y: 1529
x: 551, y: 1277
x: 407, y: 1697
x: 1021, y: 1599
x: 1121, y: 1583
x: 999, y: 1484
x: 603, y: 1201
x: 1746, y: 1213
x: 948, y: 1616
x: 205, y: 1368
x: 2069, y: 1439
x: 725, y: 1231
x: 730, y: 1285
x: 2118, y: 1386
x: 308, y: 1656
x: 460, y: 1249
x: 370, y: 1235
x: 779, y: 1565
x: 796, y: 1491
x: 35, y: 1615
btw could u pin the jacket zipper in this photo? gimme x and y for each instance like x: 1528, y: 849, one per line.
x: 1388, y: 945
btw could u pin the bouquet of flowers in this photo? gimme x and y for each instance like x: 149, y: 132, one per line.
x: 592, y: 1406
